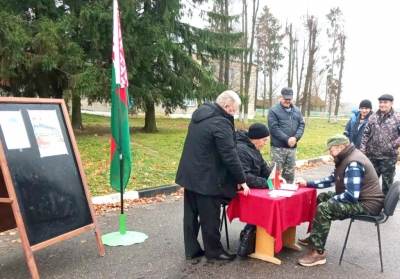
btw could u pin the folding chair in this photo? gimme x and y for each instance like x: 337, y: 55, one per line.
x: 390, y: 203
x: 224, y: 203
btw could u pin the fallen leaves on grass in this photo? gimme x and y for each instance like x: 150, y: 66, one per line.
x: 310, y: 166
x: 101, y: 209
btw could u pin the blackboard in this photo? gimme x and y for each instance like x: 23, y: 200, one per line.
x: 49, y: 189
x: 43, y: 189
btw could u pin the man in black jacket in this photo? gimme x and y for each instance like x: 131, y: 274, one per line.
x: 254, y: 166
x: 287, y: 127
x: 209, y: 161
x: 248, y: 147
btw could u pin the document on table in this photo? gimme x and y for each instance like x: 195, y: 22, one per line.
x: 291, y: 187
x: 281, y: 193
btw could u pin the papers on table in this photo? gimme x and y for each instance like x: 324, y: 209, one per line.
x: 281, y: 193
x: 290, y: 187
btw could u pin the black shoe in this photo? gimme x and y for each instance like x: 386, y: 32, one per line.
x: 199, y: 254
x: 225, y: 256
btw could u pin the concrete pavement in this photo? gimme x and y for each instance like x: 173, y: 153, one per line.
x: 162, y: 254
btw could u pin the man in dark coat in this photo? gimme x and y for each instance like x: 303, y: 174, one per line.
x: 287, y: 127
x: 248, y: 146
x: 254, y: 166
x: 209, y: 159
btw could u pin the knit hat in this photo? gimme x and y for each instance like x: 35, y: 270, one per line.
x: 365, y: 104
x: 386, y: 97
x: 258, y: 131
x: 335, y: 141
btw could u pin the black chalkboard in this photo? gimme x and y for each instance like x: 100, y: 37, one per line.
x: 48, y: 188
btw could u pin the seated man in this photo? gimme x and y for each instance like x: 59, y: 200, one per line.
x: 357, y: 191
x: 248, y: 148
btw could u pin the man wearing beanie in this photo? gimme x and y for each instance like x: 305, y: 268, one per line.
x: 248, y: 147
x: 357, y: 191
x: 356, y: 125
x: 381, y: 140
x: 254, y: 166
x: 287, y: 127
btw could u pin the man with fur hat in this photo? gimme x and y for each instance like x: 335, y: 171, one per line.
x: 356, y: 125
x: 357, y: 191
x: 381, y: 140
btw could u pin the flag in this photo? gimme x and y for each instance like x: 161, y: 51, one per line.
x: 120, y: 137
x: 273, y: 179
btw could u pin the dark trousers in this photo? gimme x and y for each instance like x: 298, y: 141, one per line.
x: 208, y: 208
x: 386, y: 168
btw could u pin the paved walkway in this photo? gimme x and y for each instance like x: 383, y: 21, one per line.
x: 162, y: 254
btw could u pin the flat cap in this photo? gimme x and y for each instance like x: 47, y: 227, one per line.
x: 386, y: 97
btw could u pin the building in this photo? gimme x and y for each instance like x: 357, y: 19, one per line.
x: 191, y: 104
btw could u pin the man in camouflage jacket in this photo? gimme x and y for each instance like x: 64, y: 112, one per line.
x: 381, y: 140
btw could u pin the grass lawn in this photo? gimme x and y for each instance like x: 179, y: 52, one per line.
x: 156, y: 156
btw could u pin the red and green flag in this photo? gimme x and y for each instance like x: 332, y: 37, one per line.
x: 121, y: 159
x: 273, y: 179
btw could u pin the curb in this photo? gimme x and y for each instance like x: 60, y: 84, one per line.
x: 133, y: 195
x: 169, y: 189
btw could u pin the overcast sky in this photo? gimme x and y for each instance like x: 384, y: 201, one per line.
x: 372, y: 47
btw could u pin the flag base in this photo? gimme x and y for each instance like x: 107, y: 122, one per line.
x: 123, y: 237
x: 118, y: 239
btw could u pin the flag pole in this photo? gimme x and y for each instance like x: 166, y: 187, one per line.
x: 122, y: 217
x: 121, y: 146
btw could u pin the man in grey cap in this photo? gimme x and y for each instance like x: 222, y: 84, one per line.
x: 286, y: 125
x: 381, y: 140
x: 357, y: 191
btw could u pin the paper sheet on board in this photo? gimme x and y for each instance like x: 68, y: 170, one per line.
x: 48, y: 133
x: 14, y: 131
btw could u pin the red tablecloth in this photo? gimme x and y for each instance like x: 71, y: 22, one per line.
x: 275, y: 215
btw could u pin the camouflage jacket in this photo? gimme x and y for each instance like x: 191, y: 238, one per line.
x: 381, y: 137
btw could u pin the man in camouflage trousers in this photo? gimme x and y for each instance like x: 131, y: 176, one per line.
x: 381, y: 140
x: 357, y: 191
x: 286, y: 125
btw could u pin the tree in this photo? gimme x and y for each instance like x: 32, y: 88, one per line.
x: 299, y: 73
x: 342, y: 41
x: 248, y: 54
x: 269, y: 40
x: 311, y: 25
x: 335, y: 20
x: 292, y: 55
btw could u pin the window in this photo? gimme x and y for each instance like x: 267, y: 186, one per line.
x: 189, y: 102
x: 231, y: 75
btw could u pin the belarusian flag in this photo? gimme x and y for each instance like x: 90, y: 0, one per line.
x: 273, y: 179
x: 120, y: 139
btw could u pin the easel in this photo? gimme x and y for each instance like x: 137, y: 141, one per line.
x: 10, y: 206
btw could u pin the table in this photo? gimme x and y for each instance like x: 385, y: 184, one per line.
x: 276, y: 218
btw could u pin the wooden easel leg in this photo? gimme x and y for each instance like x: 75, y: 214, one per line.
x: 100, y: 245
x: 31, y: 262
x: 289, y: 239
x: 264, y: 247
